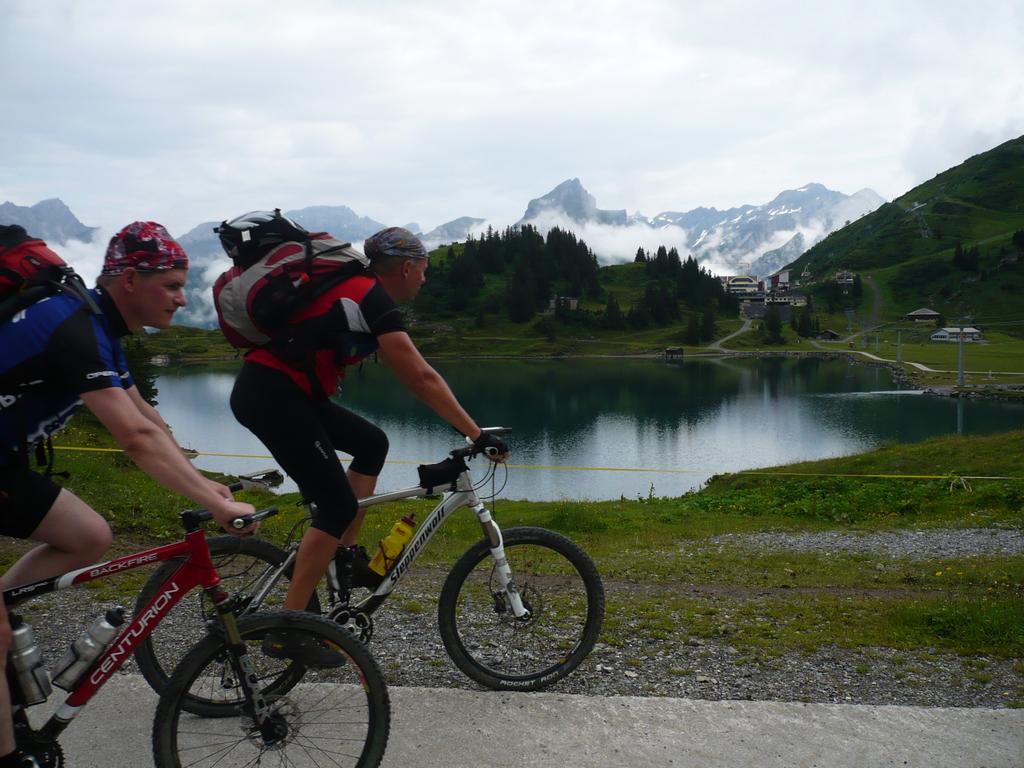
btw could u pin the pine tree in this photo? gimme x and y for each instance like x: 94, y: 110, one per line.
x: 773, y: 327
x: 639, y: 316
x: 674, y: 264
x: 465, y: 279
x: 521, y: 297
x: 707, y: 326
x: 805, y: 328
x: 613, y: 318
x: 958, y: 256
x: 693, y: 330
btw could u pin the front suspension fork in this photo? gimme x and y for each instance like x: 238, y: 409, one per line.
x: 502, y: 570
x: 241, y: 661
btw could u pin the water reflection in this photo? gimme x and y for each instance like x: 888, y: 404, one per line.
x: 689, y: 419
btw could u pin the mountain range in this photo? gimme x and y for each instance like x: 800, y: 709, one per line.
x: 753, y: 239
x: 756, y: 239
x: 50, y: 220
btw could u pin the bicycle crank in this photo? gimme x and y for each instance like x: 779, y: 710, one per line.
x: 356, y: 622
x: 46, y: 751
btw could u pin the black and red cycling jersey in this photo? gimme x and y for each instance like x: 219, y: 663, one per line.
x: 356, y: 312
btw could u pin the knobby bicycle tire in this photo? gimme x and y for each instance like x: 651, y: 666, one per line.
x: 240, y: 563
x: 562, y: 588
x: 338, y: 716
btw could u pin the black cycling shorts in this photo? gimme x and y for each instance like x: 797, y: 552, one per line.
x: 25, y: 499
x: 303, y: 434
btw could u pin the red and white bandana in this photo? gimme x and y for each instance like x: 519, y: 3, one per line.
x: 146, y: 246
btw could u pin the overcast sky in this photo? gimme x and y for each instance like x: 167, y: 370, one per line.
x: 186, y: 112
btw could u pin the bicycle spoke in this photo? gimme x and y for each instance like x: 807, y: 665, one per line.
x: 315, y: 718
x: 561, y: 591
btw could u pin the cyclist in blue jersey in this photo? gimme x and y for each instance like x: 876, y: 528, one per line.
x: 58, y: 355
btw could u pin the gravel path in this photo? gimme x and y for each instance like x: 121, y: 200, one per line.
x: 409, y: 650
x: 911, y: 545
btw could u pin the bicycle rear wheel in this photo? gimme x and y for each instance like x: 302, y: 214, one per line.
x: 561, y: 588
x: 243, y: 564
x: 338, y: 716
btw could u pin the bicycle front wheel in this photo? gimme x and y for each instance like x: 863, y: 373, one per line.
x: 244, y: 565
x: 329, y: 715
x: 560, y: 588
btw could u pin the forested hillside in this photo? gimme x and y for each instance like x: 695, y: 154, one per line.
x: 514, y: 275
x: 954, y: 243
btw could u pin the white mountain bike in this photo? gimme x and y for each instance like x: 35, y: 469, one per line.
x: 520, y: 610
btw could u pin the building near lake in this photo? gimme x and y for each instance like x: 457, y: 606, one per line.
x: 955, y: 333
x: 779, y: 282
x: 565, y: 302
x: 923, y: 315
x: 740, y: 284
x: 844, y: 277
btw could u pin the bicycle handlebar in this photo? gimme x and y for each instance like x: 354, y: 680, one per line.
x: 493, y: 450
x: 244, y: 522
x: 204, y: 515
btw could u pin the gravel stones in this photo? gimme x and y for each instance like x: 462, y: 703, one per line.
x: 911, y: 545
x: 408, y: 647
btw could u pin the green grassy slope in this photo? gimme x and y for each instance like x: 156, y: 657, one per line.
x: 665, y: 567
x: 908, y: 245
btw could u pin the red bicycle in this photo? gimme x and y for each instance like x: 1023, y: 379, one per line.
x: 311, y: 694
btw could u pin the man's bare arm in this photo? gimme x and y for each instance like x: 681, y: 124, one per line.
x: 154, y: 451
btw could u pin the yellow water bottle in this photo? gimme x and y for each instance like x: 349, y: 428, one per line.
x: 391, y: 546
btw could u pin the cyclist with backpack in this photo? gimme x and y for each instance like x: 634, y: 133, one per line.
x: 282, y: 394
x: 60, y: 353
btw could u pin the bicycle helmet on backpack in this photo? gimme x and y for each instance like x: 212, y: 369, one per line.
x: 247, y: 237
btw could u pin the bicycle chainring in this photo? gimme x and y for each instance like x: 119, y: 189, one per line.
x: 359, y: 624
x: 46, y: 751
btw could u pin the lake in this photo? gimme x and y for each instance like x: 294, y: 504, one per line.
x: 610, y: 428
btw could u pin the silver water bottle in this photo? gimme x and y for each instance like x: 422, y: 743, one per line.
x: 85, y: 649
x: 27, y: 660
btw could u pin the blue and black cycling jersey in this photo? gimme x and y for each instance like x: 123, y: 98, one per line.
x: 49, y: 355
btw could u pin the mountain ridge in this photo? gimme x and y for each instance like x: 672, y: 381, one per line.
x: 755, y: 238
x: 973, y: 200
x: 747, y: 237
x: 49, y: 219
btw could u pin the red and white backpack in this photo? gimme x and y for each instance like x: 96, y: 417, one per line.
x: 30, y: 271
x: 279, y: 268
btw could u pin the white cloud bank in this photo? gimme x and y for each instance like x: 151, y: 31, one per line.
x: 405, y: 111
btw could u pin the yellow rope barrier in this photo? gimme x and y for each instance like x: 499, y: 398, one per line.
x: 550, y: 467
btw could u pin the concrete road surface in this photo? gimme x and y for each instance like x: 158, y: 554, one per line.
x: 442, y: 727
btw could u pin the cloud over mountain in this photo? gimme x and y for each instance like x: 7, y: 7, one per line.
x: 757, y: 238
